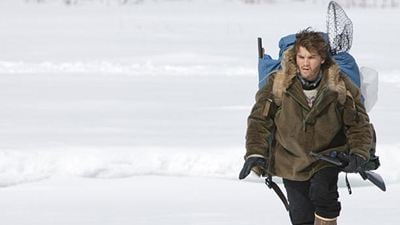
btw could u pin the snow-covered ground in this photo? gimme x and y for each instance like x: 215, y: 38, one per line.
x: 136, y: 114
x: 148, y: 200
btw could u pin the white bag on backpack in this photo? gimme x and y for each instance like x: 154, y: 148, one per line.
x: 369, y: 86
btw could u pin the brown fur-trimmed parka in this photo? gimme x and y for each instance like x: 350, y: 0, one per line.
x: 284, y: 129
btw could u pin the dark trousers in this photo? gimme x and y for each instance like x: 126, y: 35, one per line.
x: 318, y: 195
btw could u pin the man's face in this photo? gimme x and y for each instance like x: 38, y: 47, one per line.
x: 308, y: 63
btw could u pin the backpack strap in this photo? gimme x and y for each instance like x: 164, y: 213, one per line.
x: 272, y: 185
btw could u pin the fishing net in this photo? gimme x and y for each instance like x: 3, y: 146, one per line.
x: 339, y: 29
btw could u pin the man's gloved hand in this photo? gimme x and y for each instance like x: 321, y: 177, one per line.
x: 257, y: 164
x: 355, y: 164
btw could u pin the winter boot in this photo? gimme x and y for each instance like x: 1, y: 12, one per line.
x: 324, y: 221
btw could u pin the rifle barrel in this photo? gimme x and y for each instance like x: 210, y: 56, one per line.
x: 334, y: 161
x: 260, y: 48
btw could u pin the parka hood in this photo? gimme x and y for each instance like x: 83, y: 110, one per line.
x: 285, y: 77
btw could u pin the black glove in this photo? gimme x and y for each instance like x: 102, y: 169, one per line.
x: 250, y: 163
x: 354, y: 165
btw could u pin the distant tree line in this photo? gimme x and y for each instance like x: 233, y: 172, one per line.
x: 370, y: 3
x: 344, y: 3
x: 74, y: 2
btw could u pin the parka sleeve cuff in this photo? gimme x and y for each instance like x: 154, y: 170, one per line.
x: 254, y: 155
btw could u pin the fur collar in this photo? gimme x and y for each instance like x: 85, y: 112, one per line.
x: 285, y: 77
